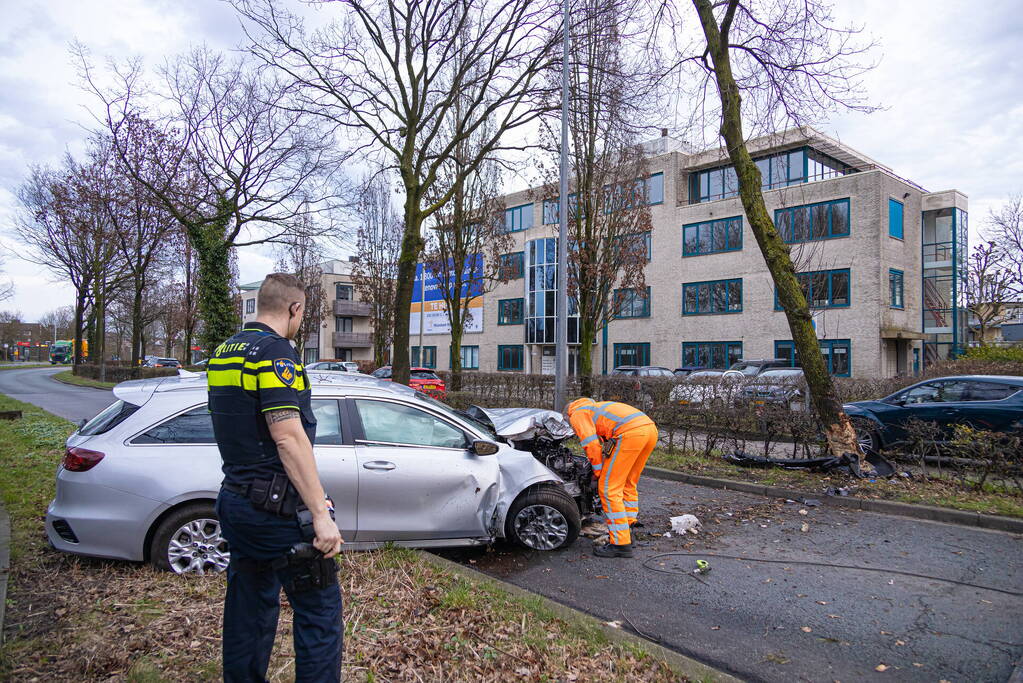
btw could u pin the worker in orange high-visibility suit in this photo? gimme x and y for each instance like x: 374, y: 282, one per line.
x: 634, y: 436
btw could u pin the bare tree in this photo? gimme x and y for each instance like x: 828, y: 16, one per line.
x: 1005, y: 229
x: 789, y: 61
x: 304, y: 258
x: 232, y: 159
x: 990, y: 287
x: 609, y: 217
x: 469, y: 235
x: 378, y: 246
x: 7, y: 287
x: 60, y: 321
x: 387, y: 70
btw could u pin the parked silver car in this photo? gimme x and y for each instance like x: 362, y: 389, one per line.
x: 139, y: 480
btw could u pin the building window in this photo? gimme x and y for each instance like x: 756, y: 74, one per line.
x: 511, y: 266
x: 711, y: 237
x: 429, y: 357
x: 628, y: 303
x: 343, y: 292
x: 518, y: 218
x: 717, y: 296
x: 509, y: 357
x: 776, y: 170
x: 640, y: 241
x: 712, y: 355
x: 342, y: 354
x: 895, y: 290
x: 837, y: 355
x: 632, y: 354
x: 470, y: 356
x: 822, y: 289
x: 509, y: 312
x: 342, y: 324
x: 895, y: 218
x: 811, y: 222
x: 552, y: 208
x: 250, y: 305
x: 655, y: 189
x: 310, y: 354
x: 541, y: 294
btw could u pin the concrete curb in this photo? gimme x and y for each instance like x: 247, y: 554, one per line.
x: 81, y: 386
x: 886, y: 507
x: 678, y: 663
x: 5, y: 563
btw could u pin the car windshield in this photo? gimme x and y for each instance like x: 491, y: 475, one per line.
x: 776, y: 375
x: 423, y: 374
x: 451, y: 412
x: 624, y: 371
x: 111, y: 416
x: 705, y: 374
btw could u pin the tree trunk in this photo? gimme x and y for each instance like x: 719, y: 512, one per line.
x: 76, y: 341
x: 136, y: 322
x: 587, y: 334
x: 838, y: 430
x: 215, y: 304
x: 456, y: 357
x: 411, y: 246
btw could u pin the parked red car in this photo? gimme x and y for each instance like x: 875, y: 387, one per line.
x: 420, y: 379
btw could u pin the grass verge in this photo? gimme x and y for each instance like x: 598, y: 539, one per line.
x: 72, y: 618
x: 24, y: 366
x: 946, y: 492
x: 68, y: 377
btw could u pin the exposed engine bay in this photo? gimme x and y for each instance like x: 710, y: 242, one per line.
x: 543, y: 433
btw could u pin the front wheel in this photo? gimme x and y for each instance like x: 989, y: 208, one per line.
x: 543, y: 519
x: 189, y: 542
x: 866, y: 436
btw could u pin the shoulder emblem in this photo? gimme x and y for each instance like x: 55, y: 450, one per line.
x: 284, y: 368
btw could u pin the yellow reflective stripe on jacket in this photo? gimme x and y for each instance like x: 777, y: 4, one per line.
x: 232, y: 378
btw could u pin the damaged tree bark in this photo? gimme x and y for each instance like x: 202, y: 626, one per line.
x: 838, y: 430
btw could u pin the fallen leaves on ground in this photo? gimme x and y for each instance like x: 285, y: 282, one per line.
x: 73, y: 619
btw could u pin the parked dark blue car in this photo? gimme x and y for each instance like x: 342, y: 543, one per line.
x: 989, y: 402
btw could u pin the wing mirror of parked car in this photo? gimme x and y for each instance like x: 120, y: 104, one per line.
x: 481, y: 447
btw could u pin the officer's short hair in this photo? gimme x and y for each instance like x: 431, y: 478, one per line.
x: 278, y: 291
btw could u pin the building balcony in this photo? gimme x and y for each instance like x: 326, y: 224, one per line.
x: 352, y: 340
x: 352, y: 308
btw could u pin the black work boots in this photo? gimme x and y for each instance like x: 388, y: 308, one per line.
x: 612, y: 550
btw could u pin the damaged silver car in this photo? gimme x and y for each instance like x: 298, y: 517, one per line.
x: 138, y: 481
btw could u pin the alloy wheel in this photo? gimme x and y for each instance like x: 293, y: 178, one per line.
x: 541, y: 527
x: 198, y: 548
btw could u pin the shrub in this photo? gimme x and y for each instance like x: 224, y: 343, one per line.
x: 995, y: 354
x: 122, y: 373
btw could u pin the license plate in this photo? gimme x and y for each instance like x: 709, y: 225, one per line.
x: 429, y: 386
x: 758, y: 403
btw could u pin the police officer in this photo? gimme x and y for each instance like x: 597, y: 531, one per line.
x: 271, y: 498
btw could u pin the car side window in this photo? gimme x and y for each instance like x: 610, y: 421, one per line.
x: 328, y: 422
x: 925, y: 393
x: 387, y: 422
x: 989, y: 391
x: 194, y: 426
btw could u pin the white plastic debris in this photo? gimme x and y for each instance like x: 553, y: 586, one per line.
x: 685, y: 524
x: 667, y: 534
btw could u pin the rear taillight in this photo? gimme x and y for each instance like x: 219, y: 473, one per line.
x: 81, y: 459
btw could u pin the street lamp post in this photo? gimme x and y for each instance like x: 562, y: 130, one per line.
x: 561, y: 338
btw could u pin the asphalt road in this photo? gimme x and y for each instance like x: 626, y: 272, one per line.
x: 785, y: 621
x: 37, y: 386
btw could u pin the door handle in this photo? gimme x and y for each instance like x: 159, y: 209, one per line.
x: 379, y: 465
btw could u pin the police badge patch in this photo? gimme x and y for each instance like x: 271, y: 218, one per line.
x: 284, y: 368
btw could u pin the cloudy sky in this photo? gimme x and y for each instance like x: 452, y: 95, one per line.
x: 950, y: 78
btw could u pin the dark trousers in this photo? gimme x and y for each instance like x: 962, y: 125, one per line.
x: 253, y: 600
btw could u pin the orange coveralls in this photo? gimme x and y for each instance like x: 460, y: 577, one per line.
x: 635, y: 436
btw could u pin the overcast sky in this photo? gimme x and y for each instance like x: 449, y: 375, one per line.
x: 950, y: 77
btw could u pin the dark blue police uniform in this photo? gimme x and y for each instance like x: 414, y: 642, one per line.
x: 254, y: 372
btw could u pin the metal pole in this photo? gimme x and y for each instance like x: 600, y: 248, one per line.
x: 561, y: 349
x: 422, y: 312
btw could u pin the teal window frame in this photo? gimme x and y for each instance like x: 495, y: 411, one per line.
x: 718, y: 231
x: 786, y: 349
x: 518, y: 218
x: 627, y: 298
x: 470, y: 356
x: 693, y: 354
x: 807, y: 281
x: 552, y: 208
x: 502, y: 313
x: 429, y: 357
x: 785, y: 220
x: 513, y: 263
x: 654, y: 189
x: 640, y: 349
x: 712, y: 289
x: 510, y: 357
x: 896, y: 288
x: 896, y: 219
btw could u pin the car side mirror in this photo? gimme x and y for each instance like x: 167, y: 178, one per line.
x: 482, y: 447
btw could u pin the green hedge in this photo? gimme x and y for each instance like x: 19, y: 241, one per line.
x: 122, y: 373
x: 995, y: 354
